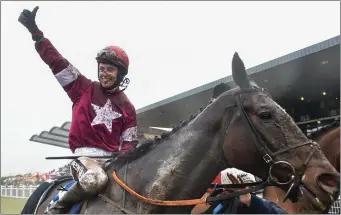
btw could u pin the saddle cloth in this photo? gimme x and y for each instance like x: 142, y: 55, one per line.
x: 75, y: 209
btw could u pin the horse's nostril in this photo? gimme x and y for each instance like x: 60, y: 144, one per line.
x: 329, y: 179
x: 330, y: 183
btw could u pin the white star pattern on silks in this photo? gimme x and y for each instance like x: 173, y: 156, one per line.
x: 105, y: 115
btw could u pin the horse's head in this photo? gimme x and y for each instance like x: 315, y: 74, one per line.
x: 258, y: 129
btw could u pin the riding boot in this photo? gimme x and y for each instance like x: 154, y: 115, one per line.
x: 73, y: 195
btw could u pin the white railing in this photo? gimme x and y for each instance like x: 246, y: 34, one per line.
x: 335, y: 209
x: 17, y: 191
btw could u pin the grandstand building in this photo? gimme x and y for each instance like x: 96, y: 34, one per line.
x: 306, y: 83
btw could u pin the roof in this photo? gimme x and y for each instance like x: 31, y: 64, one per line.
x: 264, y: 66
x: 57, y: 136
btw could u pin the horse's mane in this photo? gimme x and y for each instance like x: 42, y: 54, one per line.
x: 316, y: 134
x: 144, y: 145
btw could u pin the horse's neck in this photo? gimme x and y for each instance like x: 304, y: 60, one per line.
x: 327, y: 136
x: 188, y: 157
x: 172, y: 172
x: 181, y: 166
x: 330, y: 144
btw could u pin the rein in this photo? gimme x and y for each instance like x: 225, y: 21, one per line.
x: 158, y: 202
x: 204, y: 199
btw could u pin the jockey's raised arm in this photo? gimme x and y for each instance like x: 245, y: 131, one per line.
x: 67, y: 75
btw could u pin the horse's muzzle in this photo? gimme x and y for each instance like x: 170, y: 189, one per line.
x: 321, y: 189
x: 329, y: 183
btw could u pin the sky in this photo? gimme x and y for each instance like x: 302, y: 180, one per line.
x: 173, y: 47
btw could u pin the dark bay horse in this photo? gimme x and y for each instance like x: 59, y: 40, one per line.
x: 329, y: 139
x: 243, y: 128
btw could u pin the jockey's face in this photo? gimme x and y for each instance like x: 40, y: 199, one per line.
x: 107, y: 74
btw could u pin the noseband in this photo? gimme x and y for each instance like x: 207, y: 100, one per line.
x: 270, y: 157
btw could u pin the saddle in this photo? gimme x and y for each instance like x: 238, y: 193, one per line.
x: 41, y: 193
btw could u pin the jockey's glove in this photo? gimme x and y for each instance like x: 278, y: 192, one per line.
x: 27, y: 19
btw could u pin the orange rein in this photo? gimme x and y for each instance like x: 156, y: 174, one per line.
x: 159, y: 202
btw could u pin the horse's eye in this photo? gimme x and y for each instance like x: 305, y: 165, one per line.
x: 265, y: 115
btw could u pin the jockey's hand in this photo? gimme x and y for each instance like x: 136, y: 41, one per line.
x: 127, y: 147
x: 244, y: 199
x: 27, y: 19
x: 127, y: 154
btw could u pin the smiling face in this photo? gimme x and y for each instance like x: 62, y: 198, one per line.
x: 107, y: 75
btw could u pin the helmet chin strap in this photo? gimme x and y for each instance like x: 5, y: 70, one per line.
x: 119, y: 82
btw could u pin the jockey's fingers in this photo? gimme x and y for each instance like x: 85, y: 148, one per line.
x: 240, y: 179
x: 231, y: 190
x: 232, y: 178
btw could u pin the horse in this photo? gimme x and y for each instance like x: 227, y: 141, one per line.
x: 329, y: 139
x: 170, y: 174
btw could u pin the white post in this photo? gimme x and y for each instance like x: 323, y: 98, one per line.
x: 30, y: 190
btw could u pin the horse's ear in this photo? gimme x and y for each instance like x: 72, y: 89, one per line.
x: 238, y: 72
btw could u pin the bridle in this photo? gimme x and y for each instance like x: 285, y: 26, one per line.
x: 270, y: 157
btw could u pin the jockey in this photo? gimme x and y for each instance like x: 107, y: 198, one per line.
x: 103, y: 118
